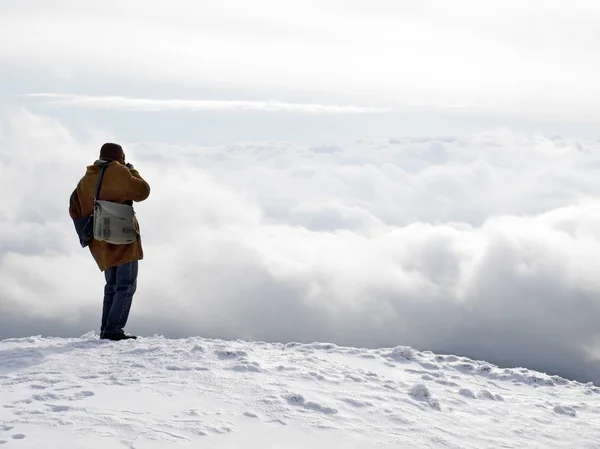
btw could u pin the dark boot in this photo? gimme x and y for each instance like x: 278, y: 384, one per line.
x: 117, y: 336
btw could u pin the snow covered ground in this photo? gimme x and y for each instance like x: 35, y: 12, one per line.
x: 157, y: 393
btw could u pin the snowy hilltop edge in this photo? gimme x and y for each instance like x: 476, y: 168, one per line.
x: 38, y: 345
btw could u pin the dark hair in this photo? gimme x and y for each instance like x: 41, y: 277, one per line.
x: 112, y: 152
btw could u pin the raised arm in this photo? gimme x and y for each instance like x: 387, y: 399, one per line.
x: 137, y: 188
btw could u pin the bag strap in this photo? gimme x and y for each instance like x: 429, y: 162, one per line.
x: 99, y: 180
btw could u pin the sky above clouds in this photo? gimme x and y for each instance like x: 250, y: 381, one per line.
x: 365, y: 173
x: 535, y: 58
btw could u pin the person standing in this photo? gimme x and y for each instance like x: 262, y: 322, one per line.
x: 121, y: 183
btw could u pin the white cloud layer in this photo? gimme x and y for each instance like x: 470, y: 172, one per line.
x: 484, y: 245
x: 156, y: 105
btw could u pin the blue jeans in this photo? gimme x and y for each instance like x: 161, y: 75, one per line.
x: 121, y: 284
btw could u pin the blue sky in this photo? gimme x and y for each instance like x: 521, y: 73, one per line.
x: 365, y: 173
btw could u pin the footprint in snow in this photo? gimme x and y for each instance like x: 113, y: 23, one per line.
x: 565, y: 410
x: 83, y: 394
x: 400, y: 354
x: 487, y: 395
x: 466, y: 393
x: 464, y: 367
x: 278, y: 421
x: 430, y: 366
x: 230, y: 354
x: 59, y: 408
x: 315, y: 375
x: 484, y: 369
x: 447, y: 383
x: 420, y: 392
x: 178, y: 368
x: 55, y: 397
x: 357, y: 403
x: 483, y: 394
x: 247, y: 367
x: 354, y: 378
x: 17, y: 436
x: 243, y: 365
x: 299, y: 400
x: 46, y: 397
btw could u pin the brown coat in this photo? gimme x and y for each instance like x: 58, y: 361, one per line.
x: 120, y: 185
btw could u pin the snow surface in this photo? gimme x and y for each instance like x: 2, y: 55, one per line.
x: 160, y: 393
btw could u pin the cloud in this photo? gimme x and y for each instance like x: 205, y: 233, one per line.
x: 148, y: 104
x: 483, y: 245
x: 540, y: 61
